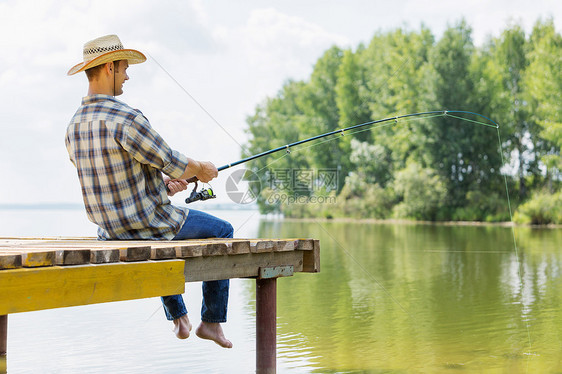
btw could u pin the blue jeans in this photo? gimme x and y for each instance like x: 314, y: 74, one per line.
x: 200, y: 225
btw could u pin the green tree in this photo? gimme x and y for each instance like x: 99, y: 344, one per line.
x: 366, y: 194
x: 275, y: 123
x: 464, y: 154
x: 321, y: 109
x: 300, y: 110
x: 350, y: 96
x: 543, y: 82
x: 422, y: 191
x: 521, y: 131
x: 396, y: 83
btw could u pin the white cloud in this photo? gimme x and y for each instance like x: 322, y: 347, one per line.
x: 484, y: 16
x: 264, y: 51
x: 286, y: 45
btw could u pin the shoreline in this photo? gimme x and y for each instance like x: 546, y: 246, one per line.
x: 279, y: 217
x: 411, y: 222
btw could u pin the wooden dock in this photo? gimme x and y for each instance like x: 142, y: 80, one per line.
x: 45, y: 273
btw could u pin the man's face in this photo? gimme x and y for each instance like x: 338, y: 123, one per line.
x: 120, y: 76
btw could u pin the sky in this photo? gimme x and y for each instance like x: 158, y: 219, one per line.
x: 210, y: 63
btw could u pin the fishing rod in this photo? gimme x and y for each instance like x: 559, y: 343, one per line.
x: 206, y: 194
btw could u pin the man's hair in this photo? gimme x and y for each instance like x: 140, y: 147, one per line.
x: 91, y: 73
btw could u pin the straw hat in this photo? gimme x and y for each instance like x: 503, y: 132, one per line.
x: 106, y: 49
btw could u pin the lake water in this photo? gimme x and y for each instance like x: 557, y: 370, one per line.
x: 390, y: 298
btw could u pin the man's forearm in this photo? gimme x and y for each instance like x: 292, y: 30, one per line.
x: 192, y: 169
x: 203, y: 170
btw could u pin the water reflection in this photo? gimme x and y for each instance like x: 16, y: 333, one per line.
x: 422, y: 298
x: 466, y: 307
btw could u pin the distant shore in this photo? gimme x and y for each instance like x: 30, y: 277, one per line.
x: 410, y: 222
x: 277, y: 217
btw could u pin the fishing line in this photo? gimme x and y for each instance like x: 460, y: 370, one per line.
x: 195, y: 101
x: 519, y: 272
x: 466, y: 252
x: 342, y: 133
x: 470, y: 120
x: 404, y: 119
x: 372, y: 125
x: 325, y: 141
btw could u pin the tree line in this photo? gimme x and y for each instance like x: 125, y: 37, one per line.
x: 436, y: 169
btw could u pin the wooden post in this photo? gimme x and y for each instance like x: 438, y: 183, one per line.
x: 266, y: 324
x: 3, y: 335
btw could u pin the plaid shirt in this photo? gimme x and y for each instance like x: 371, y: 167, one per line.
x: 120, y: 159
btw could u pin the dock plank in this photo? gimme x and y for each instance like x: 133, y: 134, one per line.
x: 285, y: 245
x: 31, y: 258
x: 162, y: 253
x: 188, y: 250
x: 10, y: 260
x: 240, y: 247
x: 311, y: 259
x: 134, y: 253
x: 72, y: 256
x: 262, y: 246
x: 49, y: 251
x: 216, y: 249
x: 104, y: 255
x: 305, y: 244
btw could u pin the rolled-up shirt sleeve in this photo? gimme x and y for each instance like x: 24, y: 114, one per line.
x: 147, y: 147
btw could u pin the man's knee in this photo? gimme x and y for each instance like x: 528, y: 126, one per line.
x: 228, y: 230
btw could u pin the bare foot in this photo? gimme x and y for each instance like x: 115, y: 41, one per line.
x: 213, y: 331
x: 182, y: 327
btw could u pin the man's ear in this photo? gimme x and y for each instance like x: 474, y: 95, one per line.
x: 109, y: 67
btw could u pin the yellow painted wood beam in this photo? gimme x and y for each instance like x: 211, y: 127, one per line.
x: 28, y: 289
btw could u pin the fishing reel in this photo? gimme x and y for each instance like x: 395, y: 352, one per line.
x: 204, y: 194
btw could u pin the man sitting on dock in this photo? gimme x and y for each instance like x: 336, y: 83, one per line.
x: 127, y: 171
